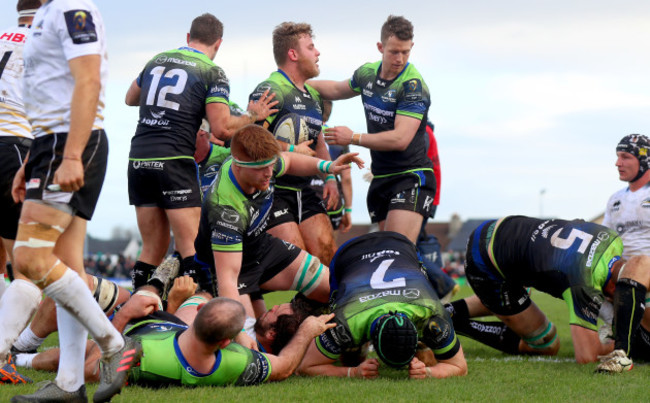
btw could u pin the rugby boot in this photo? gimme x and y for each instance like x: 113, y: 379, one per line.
x: 9, y: 373
x: 50, y: 392
x: 614, y: 363
x: 115, y: 370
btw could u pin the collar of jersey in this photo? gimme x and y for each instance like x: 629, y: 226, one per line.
x: 292, y: 83
x: 396, y: 77
x: 187, y: 365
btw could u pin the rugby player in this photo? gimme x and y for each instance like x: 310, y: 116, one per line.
x: 174, y: 91
x: 299, y: 215
x: 64, y: 81
x: 232, y: 236
x: 396, y: 102
x: 380, y: 294
x: 573, y: 260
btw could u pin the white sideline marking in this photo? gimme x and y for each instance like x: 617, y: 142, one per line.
x: 523, y: 359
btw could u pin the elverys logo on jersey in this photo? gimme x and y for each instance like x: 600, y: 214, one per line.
x: 381, y: 254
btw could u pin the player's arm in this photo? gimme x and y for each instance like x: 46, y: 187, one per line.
x: 587, y: 346
x: 346, y: 187
x: 454, y: 366
x: 85, y: 71
x: 333, y: 90
x: 132, y: 97
x: 228, y: 266
x: 145, y: 301
x: 316, y: 363
x: 330, y: 188
x: 285, y: 363
x: 303, y: 165
x: 397, y: 139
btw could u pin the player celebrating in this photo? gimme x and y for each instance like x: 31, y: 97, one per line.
x: 299, y: 215
x: 396, y: 103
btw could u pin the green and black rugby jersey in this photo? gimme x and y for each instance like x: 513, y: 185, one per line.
x: 291, y: 99
x: 383, y: 100
x: 175, y: 87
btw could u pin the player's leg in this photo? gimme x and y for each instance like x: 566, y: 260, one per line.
x: 538, y: 334
x: 405, y: 222
x: 154, y: 230
x: 305, y: 274
x: 629, y: 301
x: 184, y: 223
x: 318, y: 236
x: 290, y: 232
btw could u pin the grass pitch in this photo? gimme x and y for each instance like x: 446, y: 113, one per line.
x: 493, y: 377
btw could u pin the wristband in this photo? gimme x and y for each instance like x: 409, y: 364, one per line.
x: 291, y: 148
x: 252, y: 115
x: 330, y: 177
x: 428, y: 371
x: 324, y: 166
x: 348, y: 209
x: 349, y: 370
x: 356, y: 139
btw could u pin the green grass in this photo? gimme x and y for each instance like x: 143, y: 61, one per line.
x: 492, y: 376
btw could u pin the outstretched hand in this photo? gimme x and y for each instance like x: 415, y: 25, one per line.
x: 314, y: 326
x: 343, y: 162
x: 261, y: 109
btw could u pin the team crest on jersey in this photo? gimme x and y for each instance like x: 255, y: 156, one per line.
x: 81, y: 27
x: 616, y: 206
x: 390, y: 96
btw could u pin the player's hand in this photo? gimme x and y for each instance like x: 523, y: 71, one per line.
x: 368, y: 369
x: 246, y: 341
x: 343, y: 162
x: 303, y: 148
x: 183, y: 288
x: 346, y: 222
x: 70, y: 175
x: 417, y: 369
x: 18, y: 186
x: 331, y: 194
x: 261, y: 109
x: 140, y: 305
x: 314, y: 326
x: 340, y: 135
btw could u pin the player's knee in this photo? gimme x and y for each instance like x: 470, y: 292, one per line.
x: 544, y: 340
x: 309, y: 275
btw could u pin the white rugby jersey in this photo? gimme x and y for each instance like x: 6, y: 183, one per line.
x: 13, y: 121
x: 61, y: 30
x: 629, y: 214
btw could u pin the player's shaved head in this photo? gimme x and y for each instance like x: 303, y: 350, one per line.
x: 220, y: 319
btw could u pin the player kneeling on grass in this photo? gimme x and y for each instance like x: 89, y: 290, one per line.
x: 573, y: 260
x: 381, y: 294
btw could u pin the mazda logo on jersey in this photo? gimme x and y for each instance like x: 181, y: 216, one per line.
x: 411, y: 293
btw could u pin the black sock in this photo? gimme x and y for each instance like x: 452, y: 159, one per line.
x: 459, y: 313
x: 201, y: 274
x: 629, y: 306
x: 141, y: 273
x: 493, y: 334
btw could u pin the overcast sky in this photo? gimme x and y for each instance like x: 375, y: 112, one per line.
x: 529, y: 98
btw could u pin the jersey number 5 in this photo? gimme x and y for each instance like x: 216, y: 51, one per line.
x: 565, y: 243
x: 157, y: 73
x: 377, y: 281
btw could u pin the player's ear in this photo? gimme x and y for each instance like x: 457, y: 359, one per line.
x: 270, y: 334
x: 199, y: 306
x: 188, y: 38
x: 293, y: 55
x: 380, y: 47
